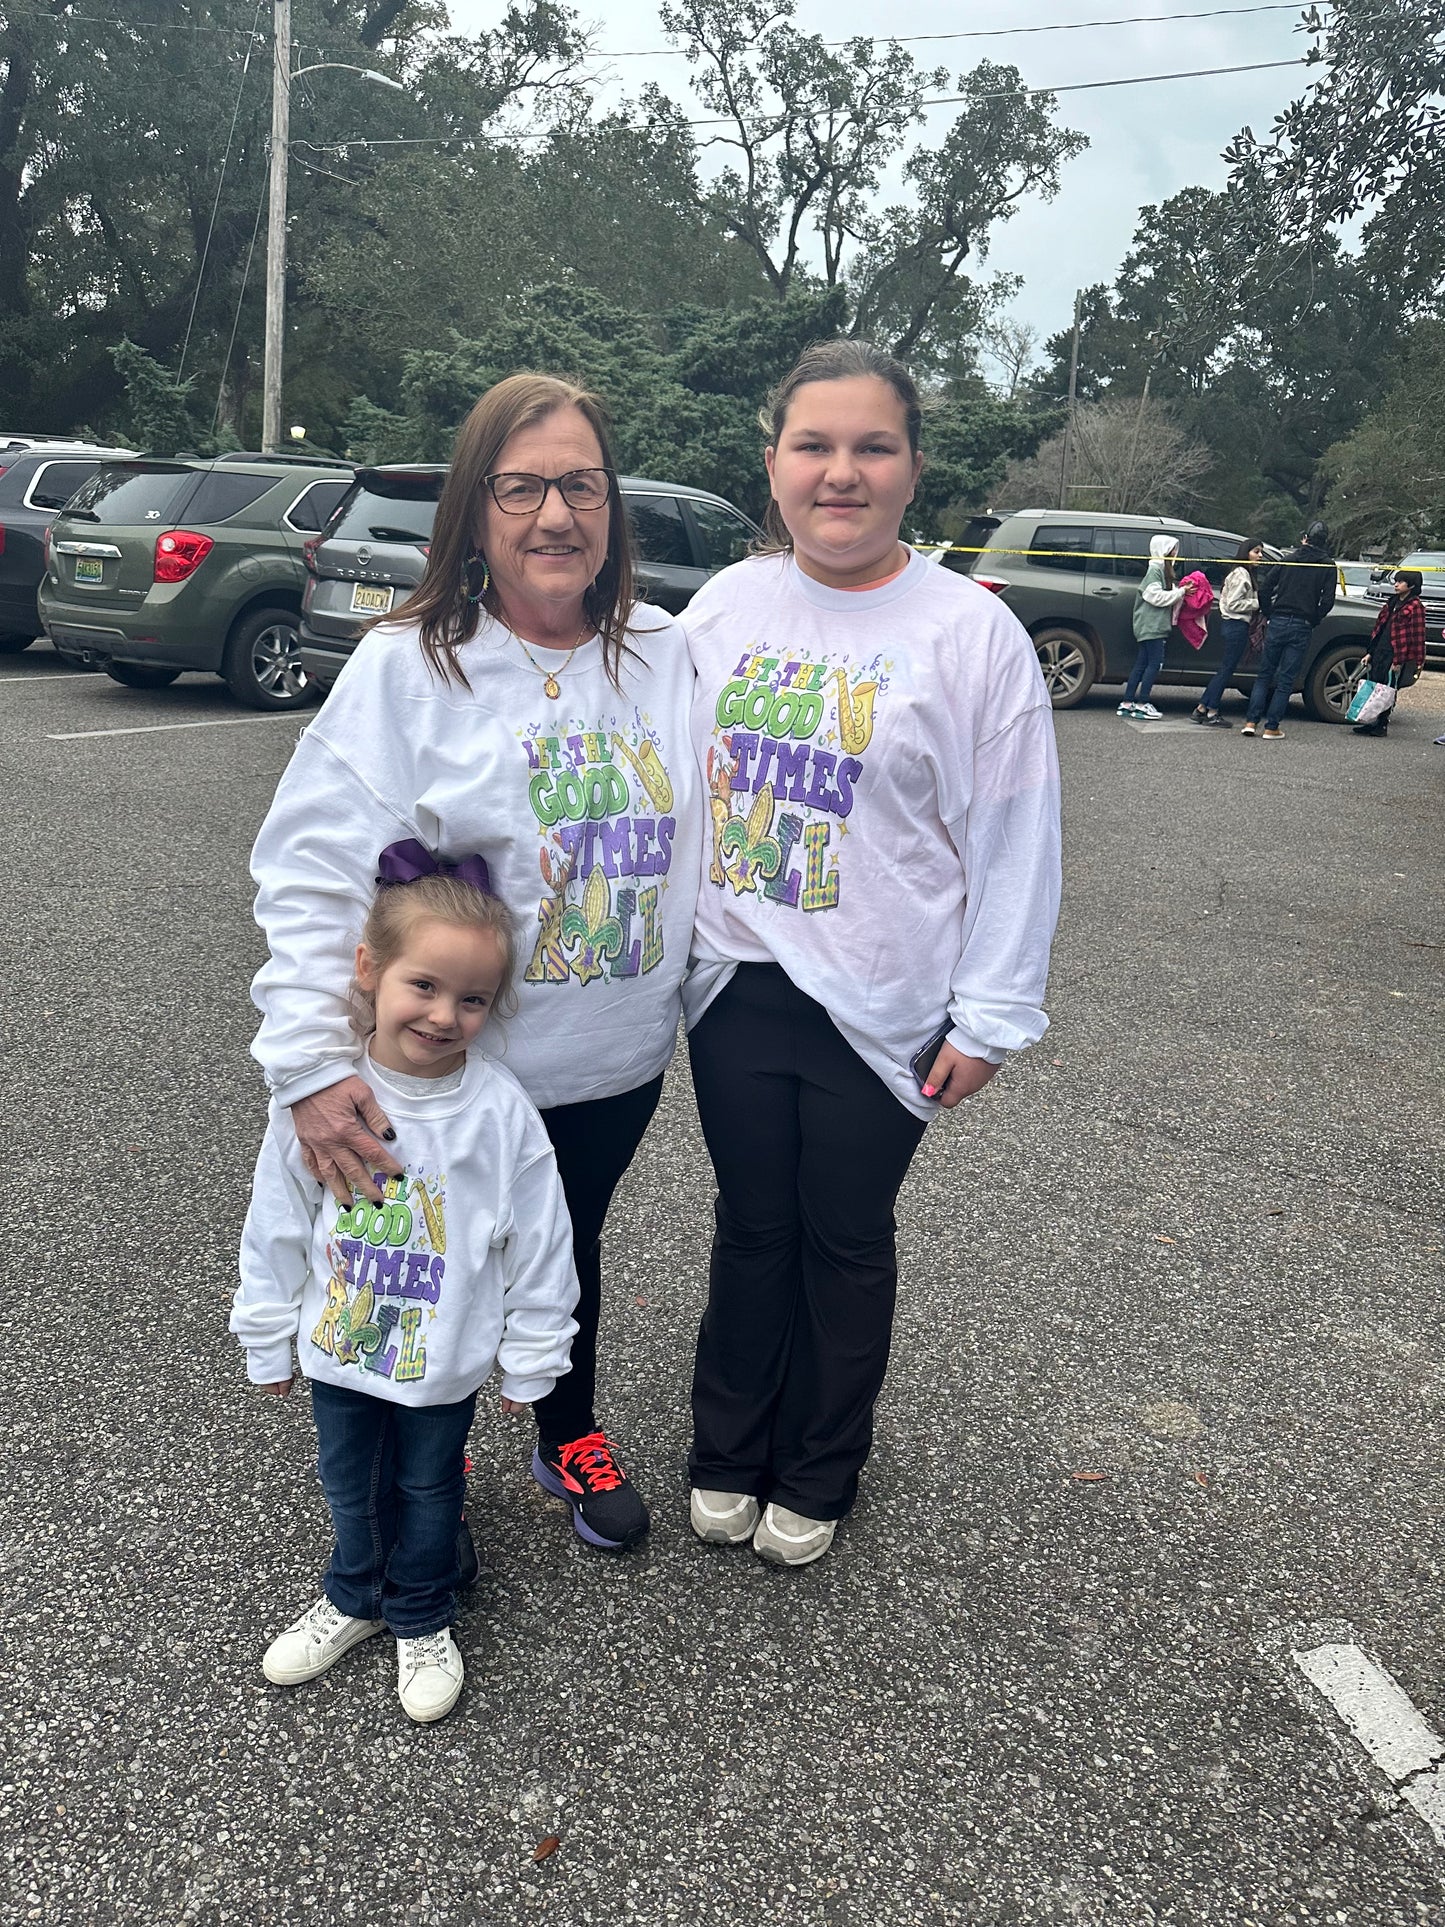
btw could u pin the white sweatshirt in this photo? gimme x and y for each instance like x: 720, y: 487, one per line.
x: 884, y: 794
x: 580, y: 806
x: 1239, y: 598
x: 466, y: 1266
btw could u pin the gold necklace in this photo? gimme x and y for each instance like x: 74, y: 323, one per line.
x: 549, y: 676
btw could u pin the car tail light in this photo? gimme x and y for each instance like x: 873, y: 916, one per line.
x: 179, y: 553
x: 2, y: 538
x: 994, y: 582
x: 308, y: 553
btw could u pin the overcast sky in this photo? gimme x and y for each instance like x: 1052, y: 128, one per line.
x: 1146, y: 143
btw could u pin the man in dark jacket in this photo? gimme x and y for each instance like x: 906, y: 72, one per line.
x: 1294, y: 596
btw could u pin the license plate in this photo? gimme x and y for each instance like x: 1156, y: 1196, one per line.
x: 366, y: 601
x: 89, y: 569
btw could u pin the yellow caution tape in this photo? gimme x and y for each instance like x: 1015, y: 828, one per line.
x: 1109, y: 555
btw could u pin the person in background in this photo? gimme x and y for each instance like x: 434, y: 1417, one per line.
x: 1295, y: 595
x: 1397, y: 646
x: 1154, y: 610
x: 1238, y: 607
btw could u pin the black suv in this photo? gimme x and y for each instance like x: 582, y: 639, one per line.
x: 1071, y: 579
x: 38, y: 476
x: 372, y: 553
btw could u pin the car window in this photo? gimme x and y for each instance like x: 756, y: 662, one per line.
x: 55, y: 482
x: 121, y: 495
x: 221, y: 496
x: 658, y: 529
x: 725, y: 536
x: 1212, y: 555
x: 1131, y: 551
x: 383, y: 518
x: 1073, y: 540
x: 316, y: 506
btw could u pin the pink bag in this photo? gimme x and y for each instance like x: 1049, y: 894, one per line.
x: 1198, y: 600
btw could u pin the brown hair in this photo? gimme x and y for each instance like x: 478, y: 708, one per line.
x: 841, y: 359
x: 442, y: 604
x: 398, y: 908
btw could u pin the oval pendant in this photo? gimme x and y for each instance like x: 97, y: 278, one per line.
x: 552, y: 687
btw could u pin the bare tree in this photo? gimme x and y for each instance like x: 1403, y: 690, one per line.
x: 1011, y: 345
x: 1129, y: 457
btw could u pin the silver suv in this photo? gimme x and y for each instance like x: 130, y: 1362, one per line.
x: 1071, y: 578
x: 371, y: 555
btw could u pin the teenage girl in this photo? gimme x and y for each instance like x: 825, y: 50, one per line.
x: 400, y: 1310
x: 883, y: 861
x: 1155, y: 608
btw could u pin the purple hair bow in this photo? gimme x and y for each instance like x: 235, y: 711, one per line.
x: 405, y: 862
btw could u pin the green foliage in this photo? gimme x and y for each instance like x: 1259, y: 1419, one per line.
x: 1387, y: 480
x: 156, y: 417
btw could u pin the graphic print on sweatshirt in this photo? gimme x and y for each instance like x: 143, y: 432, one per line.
x: 783, y: 774
x: 603, y: 802
x: 386, y: 1274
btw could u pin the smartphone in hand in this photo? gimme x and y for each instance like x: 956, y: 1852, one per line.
x: 922, y: 1060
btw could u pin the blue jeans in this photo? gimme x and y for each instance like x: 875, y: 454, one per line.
x: 1235, y: 636
x: 1285, y: 642
x: 394, y: 1478
x: 1147, y: 664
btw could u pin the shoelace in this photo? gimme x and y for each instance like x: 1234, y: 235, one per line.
x: 428, y: 1649
x: 591, y: 1459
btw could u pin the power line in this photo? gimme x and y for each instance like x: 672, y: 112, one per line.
x: 935, y: 100
x: 998, y: 33
x: 220, y: 183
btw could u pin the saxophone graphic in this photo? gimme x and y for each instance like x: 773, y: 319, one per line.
x: 855, y: 713
x: 650, y: 773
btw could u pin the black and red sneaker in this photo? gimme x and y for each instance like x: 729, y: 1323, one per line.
x: 607, y: 1509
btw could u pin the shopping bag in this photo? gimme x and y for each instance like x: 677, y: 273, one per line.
x: 1372, y: 700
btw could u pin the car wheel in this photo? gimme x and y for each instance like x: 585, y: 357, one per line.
x: 263, y: 662
x: 1068, y: 665
x: 11, y: 645
x: 1331, y: 682
x: 136, y: 675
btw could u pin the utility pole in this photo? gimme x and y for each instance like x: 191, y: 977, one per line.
x: 1069, y: 418
x: 276, y: 225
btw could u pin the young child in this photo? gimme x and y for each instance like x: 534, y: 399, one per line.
x: 400, y: 1310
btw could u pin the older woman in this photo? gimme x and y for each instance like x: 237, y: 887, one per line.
x: 525, y: 707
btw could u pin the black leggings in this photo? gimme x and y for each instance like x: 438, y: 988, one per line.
x: 810, y: 1147
x: 594, y: 1143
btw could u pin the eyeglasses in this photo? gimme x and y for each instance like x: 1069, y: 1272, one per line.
x: 580, y: 488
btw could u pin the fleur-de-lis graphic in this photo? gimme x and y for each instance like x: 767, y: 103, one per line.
x: 758, y: 853
x: 593, y: 927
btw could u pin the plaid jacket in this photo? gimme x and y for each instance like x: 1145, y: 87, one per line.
x: 1405, y: 624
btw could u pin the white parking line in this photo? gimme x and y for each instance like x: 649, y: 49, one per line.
x: 46, y: 675
x: 1383, y: 1718
x: 150, y: 729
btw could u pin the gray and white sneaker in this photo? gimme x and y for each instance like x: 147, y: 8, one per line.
x: 429, y: 1675
x: 1127, y: 709
x: 1148, y: 713
x: 314, y: 1643
x: 786, y: 1538
x: 724, y: 1518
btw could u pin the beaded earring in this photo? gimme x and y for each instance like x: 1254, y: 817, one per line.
x: 475, y: 593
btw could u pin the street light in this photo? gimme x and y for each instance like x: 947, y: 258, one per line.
x: 281, y: 79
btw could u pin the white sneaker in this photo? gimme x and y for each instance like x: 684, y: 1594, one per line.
x: 1126, y: 709
x: 429, y: 1675
x: 724, y: 1518
x: 1149, y: 712
x: 314, y: 1643
x: 786, y: 1538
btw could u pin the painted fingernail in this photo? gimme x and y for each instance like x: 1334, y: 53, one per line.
x: 389, y: 1135
x: 929, y: 1091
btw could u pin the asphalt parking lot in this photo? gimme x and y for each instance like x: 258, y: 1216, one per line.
x: 1190, y: 1247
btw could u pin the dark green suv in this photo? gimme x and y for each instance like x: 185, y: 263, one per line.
x: 156, y: 567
